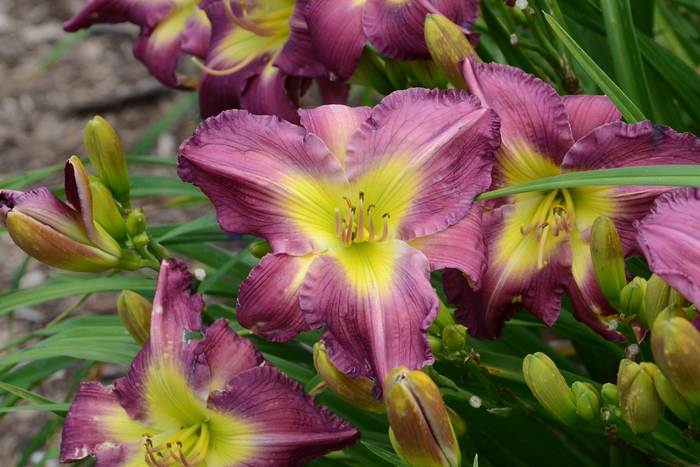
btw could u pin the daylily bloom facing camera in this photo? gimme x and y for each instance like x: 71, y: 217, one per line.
x: 212, y: 402
x: 538, y: 241
x: 358, y: 205
x: 64, y: 236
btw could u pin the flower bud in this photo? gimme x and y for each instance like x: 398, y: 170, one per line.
x: 260, y: 249
x: 105, y: 211
x: 107, y: 157
x: 454, y: 337
x: 632, y: 298
x: 640, y: 404
x: 447, y: 45
x: 675, y: 344
x: 608, y: 259
x: 609, y: 394
x: 135, y: 313
x: 135, y: 222
x: 549, y: 387
x: 436, y: 346
x: 444, y: 318
x: 674, y: 400
x: 420, y: 431
x: 587, y: 400
x: 356, y: 391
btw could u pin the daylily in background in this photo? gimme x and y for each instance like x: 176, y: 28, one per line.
x: 358, y: 205
x: 169, y: 28
x: 67, y: 236
x: 190, y: 402
x: 538, y: 241
x: 340, y: 28
x: 260, y: 59
x: 670, y: 239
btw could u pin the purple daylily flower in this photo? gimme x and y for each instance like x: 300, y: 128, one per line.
x: 538, y: 241
x: 670, y: 240
x: 358, y: 205
x: 189, y: 402
x: 340, y: 28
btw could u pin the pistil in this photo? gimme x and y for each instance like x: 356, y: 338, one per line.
x: 169, y: 453
x: 362, y: 231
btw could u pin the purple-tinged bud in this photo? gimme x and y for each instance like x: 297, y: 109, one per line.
x: 447, y: 45
x: 632, y: 299
x: 356, y: 391
x: 675, y: 344
x: 609, y: 394
x: 587, y: 400
x: 105, y: 211
x: 674, y: 400
x: 549, y: 387
x: 420, y: 431
x: 107, y: 157
x: 608, y: 259
x: 640, y: 404
x: 135, y: 313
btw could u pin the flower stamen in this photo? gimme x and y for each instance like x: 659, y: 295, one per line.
x: 363, y: 228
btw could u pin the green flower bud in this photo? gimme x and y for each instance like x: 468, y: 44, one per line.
x: 608, y: 259
x: 549, y: 387
x: 640, y: 404
x: 676, y: 346
x: 436, y: 346
x: 609, y: 394
x: 632, y: 299
x: 420, y: 431
x: 587, y: 400
x: 135, y: 222
x: 107, y: 157
x: 356, y: 391
x: 260, y: 249
x: 105, y: 211
x: 674, y: 400
x: 656, y: 298
x: 454, y: 337
x: 444, y: 318
x: 447, y: 45
x: 135, y: 313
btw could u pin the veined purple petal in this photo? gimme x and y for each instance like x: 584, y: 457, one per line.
x: 513, y: 280
x: 270, y: 93
x: 589, y: 112
x: 589, y: 304
x: 219, y: 93
x: 461, y: 246
x: 95, y: 423
x: 163, y: 374
x: 670, y: 239
x: 377, y: 302
x: 268, y: 178
x: 395, y: 29
x: 337, y: 35
x: 144, y: 13
x: 298, y: 57
x: 333, y: 92
x: 334, y: 124
x: 284, y: 426
x: 226, y: 354
x: 533, y: 118
x: 422, y: 157
x: 268, y: 300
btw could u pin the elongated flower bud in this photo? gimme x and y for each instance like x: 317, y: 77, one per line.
x: 420, y: 432
x: 587, y: 400
x: 444, y: 318
x: 105, y: 211
x: 135, y: 313
x: 608, y: 259
x: 447, y: 45
x: 674, y: 400
x: 135, y: 222
x: 356, y: 391
x: 676, y: 346
x: 260, y: 249
x: 640, y: 404
x: 632, y: 299
x: 107, y: 157
x: 549, y: 387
